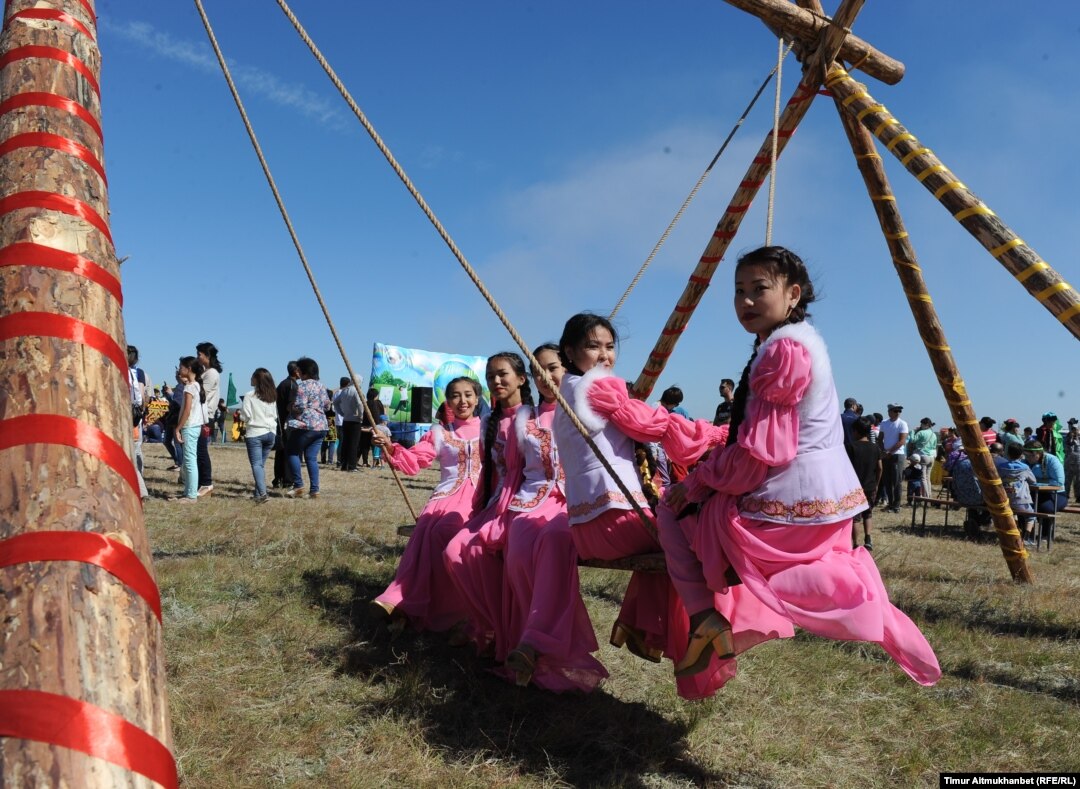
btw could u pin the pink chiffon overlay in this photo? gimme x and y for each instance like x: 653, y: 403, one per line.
x: 802, y: 572
x: 421, y: 588
x: 473, y: 558
x: 543, y: 606
x: 650, y: 603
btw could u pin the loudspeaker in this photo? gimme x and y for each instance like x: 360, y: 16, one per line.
x: 421, y: 405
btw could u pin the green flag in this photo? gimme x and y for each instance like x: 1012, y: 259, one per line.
x: 231, y: 400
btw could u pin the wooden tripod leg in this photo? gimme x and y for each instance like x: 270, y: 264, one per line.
x: 933, y: 337
x: 1038, y: 278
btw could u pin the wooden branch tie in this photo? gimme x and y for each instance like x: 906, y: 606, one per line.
x: 796, y: 23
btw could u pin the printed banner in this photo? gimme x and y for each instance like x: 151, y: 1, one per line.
x: 396, y: 370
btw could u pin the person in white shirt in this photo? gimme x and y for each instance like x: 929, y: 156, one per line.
x: 894, y: 436
x: 259, y: 412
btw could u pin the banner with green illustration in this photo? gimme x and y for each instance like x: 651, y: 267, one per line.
x: 396, y: 370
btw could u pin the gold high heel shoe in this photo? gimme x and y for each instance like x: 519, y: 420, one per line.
x: 634, y: 640
x: 396, y: 620
x: 712, y: 635
x: 522, y: 661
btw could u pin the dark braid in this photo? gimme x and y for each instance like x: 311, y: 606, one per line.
x: 738, y: 402
x: 488, y: 470
x: 489, y: 440
x: 788, y: 269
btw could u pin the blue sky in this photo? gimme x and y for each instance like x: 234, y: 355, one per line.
x: 555, y: 141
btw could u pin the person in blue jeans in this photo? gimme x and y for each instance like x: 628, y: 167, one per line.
x: 259, y: 413
x: 308, y: 426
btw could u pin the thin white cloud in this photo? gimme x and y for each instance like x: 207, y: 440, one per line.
x: 249, y: 79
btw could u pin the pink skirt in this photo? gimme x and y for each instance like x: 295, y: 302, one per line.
x: 421, y: 588
x: 474, y: 564
x: 805, y: 576
x: 542, y: 605
x: 650, y: 603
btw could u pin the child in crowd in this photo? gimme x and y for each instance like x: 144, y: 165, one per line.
x: 376, y: 450
x: 473, y: 557
x: 777, y: 502
x: 329, y: 448
x: 866, y: 458
x: 914, y: 476
x: 189, y: 425
x: 652, y: 622
x: 1016, y: 478
x: 259, y: 413
x: 421, y: 592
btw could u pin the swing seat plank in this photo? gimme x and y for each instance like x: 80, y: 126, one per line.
x: 645, y: 562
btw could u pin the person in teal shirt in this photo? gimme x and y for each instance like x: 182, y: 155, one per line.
x: 924, y: 444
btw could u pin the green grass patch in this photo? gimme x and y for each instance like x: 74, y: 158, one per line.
x: 279, y: 675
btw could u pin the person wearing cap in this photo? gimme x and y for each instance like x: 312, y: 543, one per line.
x: 1072, y: 460
x: 1010, y: 433
x: 1050, y: 435
x: 924, y: 442
x: 894, y: 436
x: 1049, y: 471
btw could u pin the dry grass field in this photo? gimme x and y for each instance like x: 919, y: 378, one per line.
x: 280, y: 676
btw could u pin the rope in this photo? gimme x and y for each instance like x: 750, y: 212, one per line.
x: 459, y: 255
x: 780, y: 53
x: 693, y: 192
x: 292, y: 232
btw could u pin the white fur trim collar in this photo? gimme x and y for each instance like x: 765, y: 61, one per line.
x: 521, y: 421
x: 579, y: 401
x: 807, y: 336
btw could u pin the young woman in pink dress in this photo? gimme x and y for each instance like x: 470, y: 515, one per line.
x: 473, y: 558
x: 421, y: 593
x: 776, y: 504
x: 604, y: 525
x: 547, y: 637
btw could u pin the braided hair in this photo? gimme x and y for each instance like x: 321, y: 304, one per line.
x: 488, y: 469
x: 787, y: 269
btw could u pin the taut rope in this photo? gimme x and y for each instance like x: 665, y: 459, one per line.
x: 469, y: 270
x: 693, y: 192
x: 780, y: 53
x: 292, y: 233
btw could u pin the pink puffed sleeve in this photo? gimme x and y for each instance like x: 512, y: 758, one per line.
x: 684, y: 440
x: 410, y: 460
x: 770, y: 429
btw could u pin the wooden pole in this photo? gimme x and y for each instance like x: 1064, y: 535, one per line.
x: 807, y: 24
x: 1020, y: 260
x: 82, y: 675
x: 933, y: 337
x: 797, y: 107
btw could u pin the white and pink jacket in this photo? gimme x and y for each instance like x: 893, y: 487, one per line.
x: 541, y: 472
x: 457, y: 449
x: 615, y: 421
